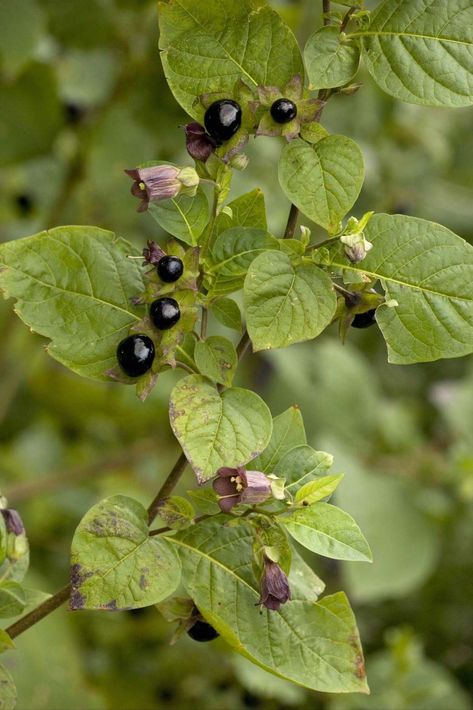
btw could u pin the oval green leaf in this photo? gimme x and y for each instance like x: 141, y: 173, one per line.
x: 184, y: 217
x: 217, y: 359
x: 218, y: 429
x: 286, y: 304
x: 115, y: 564
x: 323, y: 180
x: 330, y: 58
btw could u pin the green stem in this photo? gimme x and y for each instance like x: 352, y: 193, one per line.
x: 326, y: 10
x: 40, y: 612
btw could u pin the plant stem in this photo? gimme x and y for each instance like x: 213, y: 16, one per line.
x: 168, y: 486
x: 326, y: 10
x: 291, y: 222
x: 347, y: 19
x: 39, y: 613
x: 204, y: 322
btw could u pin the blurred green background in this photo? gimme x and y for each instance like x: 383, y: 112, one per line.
x: 83, y: 97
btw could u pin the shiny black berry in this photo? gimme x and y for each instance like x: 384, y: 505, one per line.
x: 364, y: 320
x: 164, y: 313
x: 283, y: 110
x: 170, y: 269
x: 202, y: 631
x: 135, y: 355
x: 223, y: 119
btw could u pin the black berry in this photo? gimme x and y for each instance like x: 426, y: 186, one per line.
x: 164, y: 313
x: 135, y: 355
x: 364, y: 320
x: 223, y: 119
x: 202, y: 631
x: 170, y: 269
x: 283, y: 110
x: 24, y: 204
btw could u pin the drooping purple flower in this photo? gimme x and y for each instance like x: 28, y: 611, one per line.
x: 237, y: 485
x: 199, y: 144
x: 13, y: 522
x: 153, y: 252
x: 161, y: 182
x: 274, y: 586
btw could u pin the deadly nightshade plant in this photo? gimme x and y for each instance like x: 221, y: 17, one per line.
x: 108, y: 315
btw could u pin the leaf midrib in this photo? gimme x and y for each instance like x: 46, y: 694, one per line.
x: 67, y: 292
x: 292, y: 521
x: 390, y: 279
x: 414, y: 35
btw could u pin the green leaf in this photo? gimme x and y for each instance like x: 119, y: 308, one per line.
x: 177, y: 512
x: 218, y: 429
x: 428, y: 270
x: 317, y: 490
x: 323, y: 180
x: 227, y: 312
x: 330, y: 59
x: 315, y: 645
x: 304, y: 583
x: 286, y: 304
x: 234, y: 251
x: 115, y: 564
x: 208, y: 46
x: 421, y: 51
x: 288, y: 432
x: 217, y: 359
x: 74, y: 285
x: 21, y: 27
x: 7, y: 690
x: 12, y: 599
x: 206, y: 500
x: 328, y: 531
x: 184, y: 217
x: 300, y: 465
x: 248, y: 210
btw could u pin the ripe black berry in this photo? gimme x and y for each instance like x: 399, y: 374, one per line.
x: 283, y: 110
x: 202, y: 631
x: 223, y: 119
x: 135, y: 355
x: 170, y: 269
x: 164, y: 313
x: 364, y: 320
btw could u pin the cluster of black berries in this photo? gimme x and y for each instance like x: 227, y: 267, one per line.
x: 223, y: 118
x: 135, y: 354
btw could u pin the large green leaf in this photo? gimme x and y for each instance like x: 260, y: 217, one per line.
x: 330, y: 59
x: 421, y: 51
x: 115, y: 563
x: 313, y: 644
x: 302, y: 465
x: 286, y: 304
x: 207, y: 46
x: 74, y: 285
x: 248, y: 210
x: 428, y: 270
x: 218, y: 429
x: 329, y: 531
x: 322, y: 180
x: 216, y: 358
x: 235, y: 249
x: 288, y: 432
x: 184, y: 217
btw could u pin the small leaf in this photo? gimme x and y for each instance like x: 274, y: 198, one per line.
x: 288, y: 432
x: 227, y: 312
x: 207, y: 47
x: 286, y: 304
x: 421, y: 52
x: 328, y: 531
x: 215, y: 430
x: 216, y: 358
x: 177, y: 512
x: 323, y: 180
x: 317, y: 490
x: 12, y: 599
x: 206, y: 500
x: 74, y: 285
x: 302, y: 464
x: 8, y: 695
x: 330, y: 59
x: 115, y: 564
x: 248, y: 210
x: 184, y: 217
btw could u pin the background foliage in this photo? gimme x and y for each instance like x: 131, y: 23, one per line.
x: 83, y: 97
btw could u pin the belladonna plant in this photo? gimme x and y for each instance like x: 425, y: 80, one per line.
x: 119, y: 314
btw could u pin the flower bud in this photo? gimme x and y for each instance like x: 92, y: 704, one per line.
x: 356, y: 247
x: 199, y: 144
x: 274, y: 586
